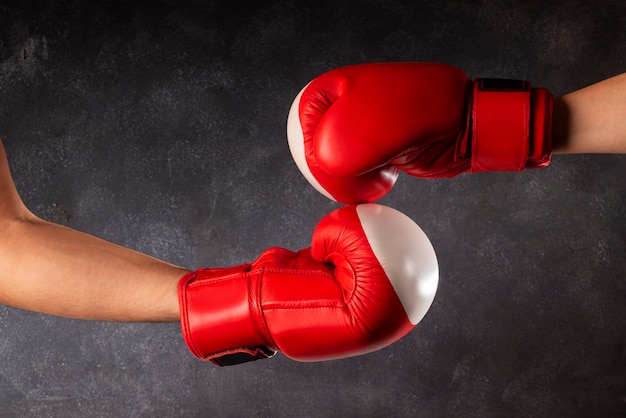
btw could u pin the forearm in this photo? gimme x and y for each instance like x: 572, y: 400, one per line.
x: 592, y: 119
x: 49, y: 268
x: 52, y: 269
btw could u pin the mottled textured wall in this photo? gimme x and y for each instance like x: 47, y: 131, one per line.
x: 161, y: 126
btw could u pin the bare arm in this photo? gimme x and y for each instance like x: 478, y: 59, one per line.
x: 592, y: 119
x: 53, y: 269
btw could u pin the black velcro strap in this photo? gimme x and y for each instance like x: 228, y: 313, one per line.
x: 241, y: 355
x: 503, y: 85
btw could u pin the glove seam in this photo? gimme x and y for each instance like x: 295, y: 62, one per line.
x: 261, y: 323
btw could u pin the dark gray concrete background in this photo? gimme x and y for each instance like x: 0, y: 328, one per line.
x: 160, y: 125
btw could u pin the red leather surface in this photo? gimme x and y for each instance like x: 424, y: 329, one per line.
x: 331, y: 301
x: 541, y: 124
x: 216, y: 315
x: 362, y: 123
x: 500, y: 129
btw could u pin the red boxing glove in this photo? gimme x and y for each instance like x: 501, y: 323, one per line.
x: 369, y: 277
x: 351, y: 129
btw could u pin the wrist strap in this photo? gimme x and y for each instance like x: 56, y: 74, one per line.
x: 500, y: 125
x: 217, y: 322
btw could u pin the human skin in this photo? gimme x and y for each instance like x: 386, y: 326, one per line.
x: 591, y: 120
x: 53, y: 269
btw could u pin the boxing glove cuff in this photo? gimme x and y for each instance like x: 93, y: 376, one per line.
x: 216, y: 320
x: 510, y: 125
